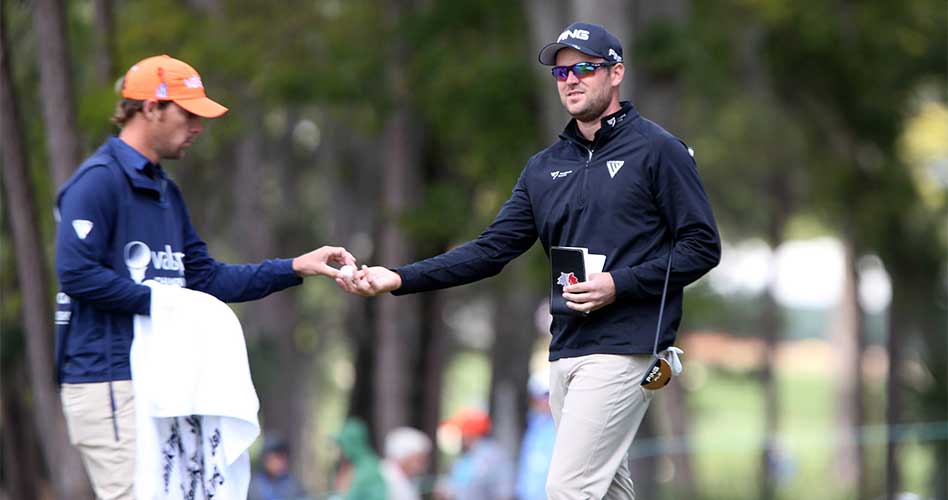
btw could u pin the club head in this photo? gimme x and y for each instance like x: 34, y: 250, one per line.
x: 657, y: 375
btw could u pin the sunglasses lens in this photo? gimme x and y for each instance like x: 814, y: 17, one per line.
x: 583, y: 69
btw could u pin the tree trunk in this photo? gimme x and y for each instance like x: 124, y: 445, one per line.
x: 435, y: 345
x: 56, y: 87
x: 675, y: 408
x: 211, y: 7
x: 271, y: 321
x: 22, y: 468
x: 547, y: 18
x: 360, y: 319
x: 398, y: 317
x: 770, y: 324
x: 105, y: 67
x: 68, y: 475
x: 900, y: 330
x: 657, y: 96
x: 845, y: 333
x: 779, y: 207
x: 514, y: 335
x: 351, y: 184
x: 916, y: 330
x: 923, y: 327
x: 643, y: 464
x: 772, y: 328
x: 936, y: 397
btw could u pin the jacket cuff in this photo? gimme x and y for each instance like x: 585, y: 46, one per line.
x: 409, y: 279
x: 285, y: 276
x: 142, y: 305
x: 627, y: 285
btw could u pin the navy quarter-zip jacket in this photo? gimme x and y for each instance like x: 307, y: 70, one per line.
x: 123, y: 221
x: 634, y: 195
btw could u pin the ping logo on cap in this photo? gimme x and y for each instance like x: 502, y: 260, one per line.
x: 576, y: 33
x: 590, y: 39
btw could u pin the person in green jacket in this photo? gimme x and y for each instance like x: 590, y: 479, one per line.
x: 360, y: 463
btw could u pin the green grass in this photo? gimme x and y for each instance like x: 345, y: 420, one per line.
x: 727, y: 438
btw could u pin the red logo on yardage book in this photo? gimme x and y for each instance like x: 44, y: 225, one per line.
x: 567, y: 279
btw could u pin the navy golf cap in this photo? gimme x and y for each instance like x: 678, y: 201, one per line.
x: 590, y: 39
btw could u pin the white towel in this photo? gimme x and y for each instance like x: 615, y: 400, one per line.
x: 196, y: 407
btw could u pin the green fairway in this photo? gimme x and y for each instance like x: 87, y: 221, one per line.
x: 727, y: 439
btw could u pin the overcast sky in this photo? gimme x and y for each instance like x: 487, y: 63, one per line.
x: 803, y: 273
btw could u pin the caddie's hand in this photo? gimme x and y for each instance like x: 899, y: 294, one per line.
x: 596, y: 292
x: 370, y: 281
x: 317, y: 262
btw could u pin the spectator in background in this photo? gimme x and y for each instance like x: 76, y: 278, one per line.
x: 484, y: 471
x: 407, y: 453
x: 359, y: 476
x: 537, y: 448
x: 273, y: 481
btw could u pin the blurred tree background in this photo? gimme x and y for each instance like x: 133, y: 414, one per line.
x: 397, y: 128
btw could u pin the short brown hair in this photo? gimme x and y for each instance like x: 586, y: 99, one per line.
x: 125, y: 109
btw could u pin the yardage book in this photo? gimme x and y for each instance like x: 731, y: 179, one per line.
x: 568, y: 266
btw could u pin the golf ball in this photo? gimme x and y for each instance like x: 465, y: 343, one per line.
x: 346, y: 271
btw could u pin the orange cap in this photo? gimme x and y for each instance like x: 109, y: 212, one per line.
x: 167, y: 79
x: 471, y: 422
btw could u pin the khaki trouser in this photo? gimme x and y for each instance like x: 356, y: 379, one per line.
x: 597, y: 406
x: 109, y: 463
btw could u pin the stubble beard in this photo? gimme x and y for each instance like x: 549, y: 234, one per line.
x: 175, y: 151
x: 171, y: 153
x: 595, y: 106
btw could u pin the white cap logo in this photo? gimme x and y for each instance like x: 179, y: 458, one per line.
x: 137, y: 258
x: 162, y: 91
x: 193, y: 82
x: 82, y: 227
x: 576, y: 33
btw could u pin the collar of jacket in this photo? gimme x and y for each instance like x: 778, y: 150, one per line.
x: 610, y: 126
x: 141, y: 172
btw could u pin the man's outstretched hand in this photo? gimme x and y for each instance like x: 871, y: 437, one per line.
x: 369, y: 281
x: 317, y: 262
